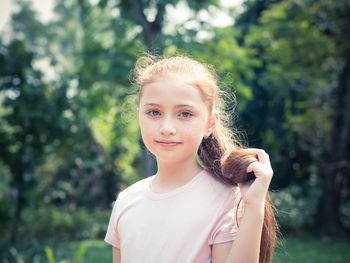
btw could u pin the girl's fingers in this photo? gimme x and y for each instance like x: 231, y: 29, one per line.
x: 255, y: 167
x: 257, y: 189
x: 259, y: 169
x: 262, y: 166
x: 262, y: 155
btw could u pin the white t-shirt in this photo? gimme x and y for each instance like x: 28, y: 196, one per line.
x: 177, y: 226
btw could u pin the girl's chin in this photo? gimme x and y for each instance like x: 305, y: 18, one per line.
x: 175, y: 159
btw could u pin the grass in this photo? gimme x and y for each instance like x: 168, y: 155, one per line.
x: 305, y: 249
x: 290, y: 250
x: 309, y: 250
x: 96, y: 251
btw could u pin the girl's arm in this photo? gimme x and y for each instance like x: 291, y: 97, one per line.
x: 246, y: 246
x: 116, y: 255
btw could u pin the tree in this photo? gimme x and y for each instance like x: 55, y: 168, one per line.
x: 52, y: 131
x: 150, y: 16
x: 302, y: 53
x: 334, y: 20
x: 34, y: 113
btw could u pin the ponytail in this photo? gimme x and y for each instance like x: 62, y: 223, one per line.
x: 231, y: 169
x: 210, y: 154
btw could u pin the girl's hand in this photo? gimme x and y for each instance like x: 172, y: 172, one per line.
x: 254, y: 192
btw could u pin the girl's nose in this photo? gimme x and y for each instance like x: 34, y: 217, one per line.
x: 167, y: 127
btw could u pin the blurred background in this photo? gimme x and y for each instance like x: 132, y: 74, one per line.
x: 69, y: 140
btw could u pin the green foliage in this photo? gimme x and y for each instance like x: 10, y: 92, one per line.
x: 101, y: 45
x: 110, y: 128
x: 64, y: 223
x: 290, y: 112
x: 297, y: 208
x: 96, y: 250
x: 294, y: 108
x: 16, y: 257
x: 48, y: 140
x: 77, y: 258
x: 232, y: 63
x: 5, y: 198
x: 80, y: 253
x: 49, y: 255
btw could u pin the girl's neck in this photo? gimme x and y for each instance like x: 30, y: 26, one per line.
x: 174, y: 175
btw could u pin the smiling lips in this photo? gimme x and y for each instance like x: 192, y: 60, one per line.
x: 168, y: 143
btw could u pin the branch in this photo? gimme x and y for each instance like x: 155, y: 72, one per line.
x: 160, y: 15
x: 137, y: 11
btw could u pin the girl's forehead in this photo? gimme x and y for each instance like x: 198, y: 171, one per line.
x: 170, y: 90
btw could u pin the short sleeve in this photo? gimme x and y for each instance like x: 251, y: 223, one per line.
x: 112, y: 235
x: 226, y: 226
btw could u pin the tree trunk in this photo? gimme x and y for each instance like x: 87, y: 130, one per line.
x: 150, y: 30
x: 334, y: 174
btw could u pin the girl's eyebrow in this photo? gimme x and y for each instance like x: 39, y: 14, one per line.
x: 176, y: 106
x: 151, y: 104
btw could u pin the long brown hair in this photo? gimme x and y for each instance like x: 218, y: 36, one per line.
x: 223, y: 140
x: 234, y: 166
x: 230, y: 168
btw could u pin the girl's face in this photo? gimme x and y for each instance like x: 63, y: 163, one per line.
x: 173, y: 119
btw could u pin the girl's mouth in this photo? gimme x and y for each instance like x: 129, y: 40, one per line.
x: 168, y: 143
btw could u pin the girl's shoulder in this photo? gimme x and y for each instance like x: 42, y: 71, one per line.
x: 219, y: 187
x: 136, y: 188
x: 217, y: 184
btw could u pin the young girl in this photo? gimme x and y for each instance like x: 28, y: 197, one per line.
x: 187, y: 211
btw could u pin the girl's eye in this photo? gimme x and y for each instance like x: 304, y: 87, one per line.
x: 153, y: 113
x: 186, y: 114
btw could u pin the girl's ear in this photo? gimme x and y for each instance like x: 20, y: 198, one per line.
x: 211, y: 124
